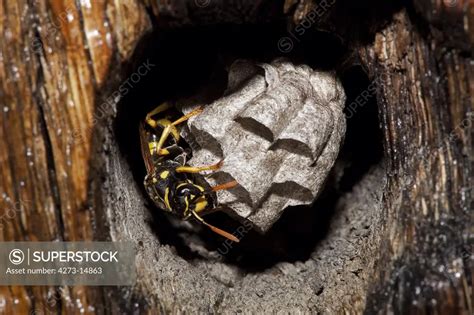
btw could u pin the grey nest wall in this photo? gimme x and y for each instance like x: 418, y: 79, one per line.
x: 278, y: 130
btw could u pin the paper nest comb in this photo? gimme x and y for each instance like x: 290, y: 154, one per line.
x: 278, y: 129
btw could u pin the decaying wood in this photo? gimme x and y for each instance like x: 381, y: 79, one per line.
x: 54, y: 58
x: 428, y: 138
x: 64, y: 178
x: 421, y: 59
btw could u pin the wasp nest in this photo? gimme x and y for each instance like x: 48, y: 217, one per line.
x: 278, y: 129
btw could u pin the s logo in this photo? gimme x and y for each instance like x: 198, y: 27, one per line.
x: 16, y: 256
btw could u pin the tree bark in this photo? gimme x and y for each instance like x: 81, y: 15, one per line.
x: 425, y: 101
x: 55, y: 57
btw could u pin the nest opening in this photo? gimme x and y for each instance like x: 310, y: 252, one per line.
x: 190, y: 62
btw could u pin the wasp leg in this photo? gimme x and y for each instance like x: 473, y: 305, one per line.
x: 192, y: 113
x: 173, y: 150
x: 197, y: 169
x: 170, y: 127
x: 153, y: 145
x: 161, y: 108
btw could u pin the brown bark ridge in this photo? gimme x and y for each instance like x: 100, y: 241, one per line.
x: 426, y: 107
x: 420, y: 55
x: 54, y: 58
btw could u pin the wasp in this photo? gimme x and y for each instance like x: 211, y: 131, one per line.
x: 170, y: 182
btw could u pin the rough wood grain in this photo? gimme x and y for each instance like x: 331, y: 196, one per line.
x: 54, y: 57
x: 425, y: 96
x: 420, y: 55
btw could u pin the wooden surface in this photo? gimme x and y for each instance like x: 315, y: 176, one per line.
x: 426, y: 105
x: 55, y: 57
x: 420, y: 55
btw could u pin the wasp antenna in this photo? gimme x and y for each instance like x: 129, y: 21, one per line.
x: 216, y: 229
x: 224, y: 186
x: 228, y: 185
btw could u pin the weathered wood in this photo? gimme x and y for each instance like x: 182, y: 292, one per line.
x: 425, y: 100
x: 421, y: 58
x: 54, y: 57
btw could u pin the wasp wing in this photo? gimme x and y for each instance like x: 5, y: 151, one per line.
x: 150, y: 168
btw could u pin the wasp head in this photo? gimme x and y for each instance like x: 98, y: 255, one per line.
x: 190, y: 197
